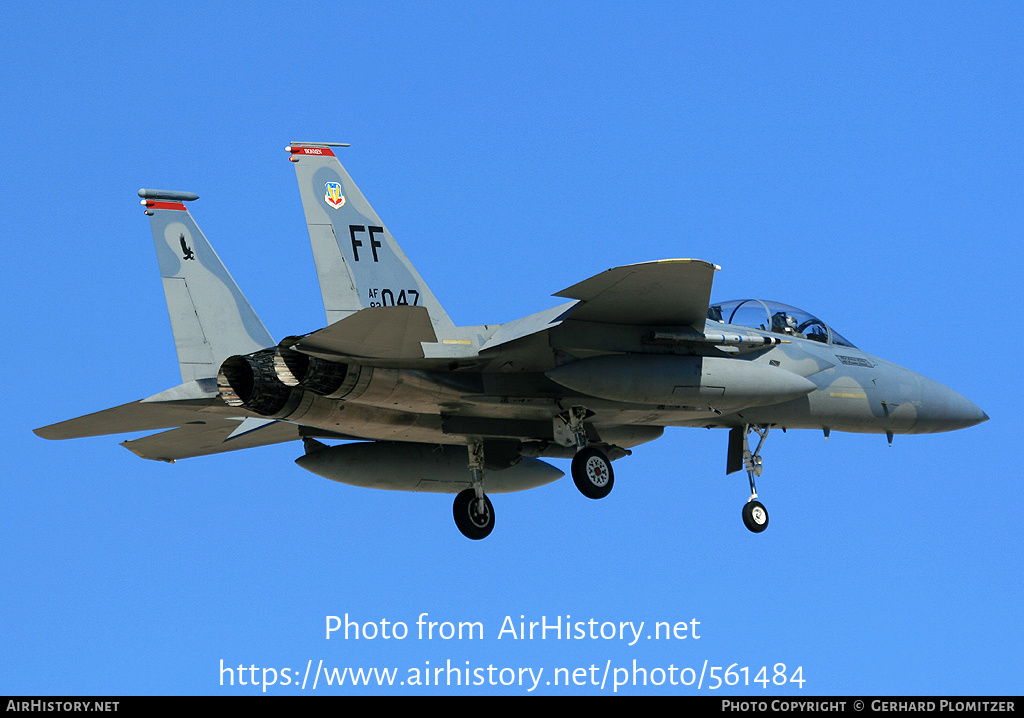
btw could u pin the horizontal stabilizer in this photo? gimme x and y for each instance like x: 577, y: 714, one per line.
x: 215, y: 437
x: 669, y: 292
x: 375, y: 332
x: 134, y: 416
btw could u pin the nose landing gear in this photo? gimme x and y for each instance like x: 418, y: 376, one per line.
x: 755, y: 515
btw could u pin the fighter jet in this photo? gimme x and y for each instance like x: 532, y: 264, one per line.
x: 420, y: 404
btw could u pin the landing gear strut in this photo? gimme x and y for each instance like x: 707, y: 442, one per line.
x: 591, y: 469
x: 755, y: 515
x: 474, y: 514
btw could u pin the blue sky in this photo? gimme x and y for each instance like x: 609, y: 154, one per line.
x: 863, y: 162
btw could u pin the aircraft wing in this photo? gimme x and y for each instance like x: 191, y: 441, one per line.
x: 669, y: 292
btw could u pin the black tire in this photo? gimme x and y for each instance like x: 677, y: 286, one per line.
x: 470, y: 521
x: 592, y: 473
x: 755, y: 516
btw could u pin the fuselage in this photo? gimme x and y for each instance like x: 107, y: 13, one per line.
x: 857, y: 392
x: 637, y: 380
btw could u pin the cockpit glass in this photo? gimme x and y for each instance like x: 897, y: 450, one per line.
x: 777, y: 318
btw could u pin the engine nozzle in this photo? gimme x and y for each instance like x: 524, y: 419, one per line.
x: 250, y: 382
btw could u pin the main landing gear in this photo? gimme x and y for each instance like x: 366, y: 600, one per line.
x: 591, y: 472
x: 473, y: 522
x: 474, y: 514
x: 755, y: 515
x: 591, y: 469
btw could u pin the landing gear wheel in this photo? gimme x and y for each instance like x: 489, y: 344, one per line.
x: 755, y: 516
x: 592, y: 473
x: 471, y: 522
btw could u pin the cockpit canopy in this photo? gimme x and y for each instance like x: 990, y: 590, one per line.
x: 777, y: 318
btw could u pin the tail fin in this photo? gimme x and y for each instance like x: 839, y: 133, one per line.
x: 358, y: 262
x: 210, y: 317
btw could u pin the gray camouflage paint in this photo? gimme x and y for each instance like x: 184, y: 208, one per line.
x: 493, y: 384
x: 354, y: 273
x: 210, y: 317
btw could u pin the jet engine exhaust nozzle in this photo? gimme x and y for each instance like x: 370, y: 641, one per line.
x: 320, y: 376
x: 250, y: 382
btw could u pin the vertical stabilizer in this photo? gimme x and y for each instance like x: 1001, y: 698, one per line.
x: 210, y: 317
x: 358, y: 262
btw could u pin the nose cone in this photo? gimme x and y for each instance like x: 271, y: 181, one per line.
x: 942, y: 409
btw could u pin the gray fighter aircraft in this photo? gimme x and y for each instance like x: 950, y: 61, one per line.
x: 472, y: 410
